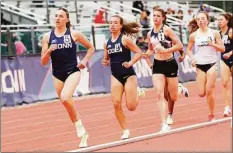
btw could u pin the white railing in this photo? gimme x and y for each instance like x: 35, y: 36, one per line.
x: 23, y: 15
x: 214, y: 8
x: 181, y: 6
x: 109, y: 9
x: 23, y: 12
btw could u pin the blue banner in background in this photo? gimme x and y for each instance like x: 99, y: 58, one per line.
x: 13, y: 82
x: 24, y: 80
x: 186, y: 71
x: 21, y: 80
x: 100, y: 77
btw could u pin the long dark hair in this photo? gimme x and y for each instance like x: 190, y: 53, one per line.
x: 68, y: 24
x: 193, y: 23
x: 229, y: 18
x: 129, y: 29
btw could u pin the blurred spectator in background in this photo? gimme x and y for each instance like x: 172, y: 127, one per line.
x: 180, y: 14
x: 207, y: 9
x: 145, y: 22
x: 19, y: 46
x: 188, y: 17
x: 138, y: 5
x: 142, y: 44
x: 204, y: 7
x: 99, y: 18
x: 170, y: 11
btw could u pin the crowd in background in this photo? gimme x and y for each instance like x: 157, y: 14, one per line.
x: 142, y: 17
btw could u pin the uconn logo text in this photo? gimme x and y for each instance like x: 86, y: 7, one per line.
x: 117, y: 48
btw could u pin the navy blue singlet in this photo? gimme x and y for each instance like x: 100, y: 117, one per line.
x: 228, y: 42
x: 119, y: 54
x: 64, y: 60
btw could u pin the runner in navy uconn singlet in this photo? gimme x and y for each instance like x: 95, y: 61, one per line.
x: 64, y: 60
x: 228, y: 42
x: 59, y: 45
x: 225, y: 23
x: 119, y: 54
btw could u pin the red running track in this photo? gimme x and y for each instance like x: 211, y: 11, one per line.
x: 205, y: 139
x: 46, y: 127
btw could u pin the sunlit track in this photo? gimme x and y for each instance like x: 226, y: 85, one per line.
x: 118, y: 133
x: 55, y: 132
x: 129, y: 114
x: 97, y: 120
x: 59, y: 108
x: 114, y: 124
x: 95, y: 112
x: 150, y: 129
x: 149, y: 136
x: 48, y: 113
x: 80, y: 103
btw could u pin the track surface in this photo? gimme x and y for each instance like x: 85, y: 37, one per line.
x: 46, y: 127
